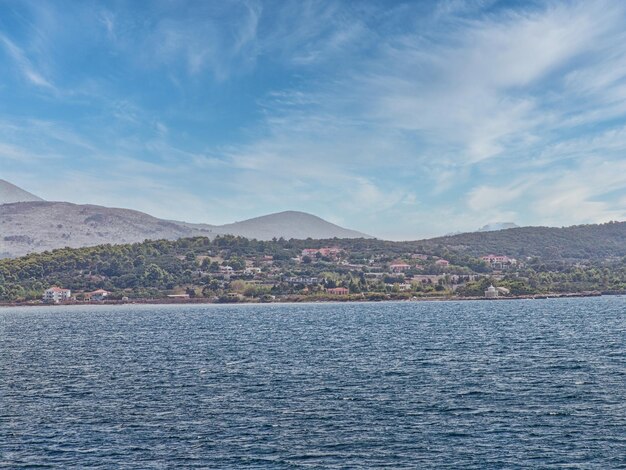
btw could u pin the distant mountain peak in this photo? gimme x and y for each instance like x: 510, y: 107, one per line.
x: 492, y: 227
x: 9, y: 193
x: 289, y: 224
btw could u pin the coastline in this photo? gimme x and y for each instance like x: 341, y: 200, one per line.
x: 297, y: 300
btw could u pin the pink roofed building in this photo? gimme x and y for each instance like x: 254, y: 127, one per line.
x: 399, y: 267
x: 442, y: 262
x: 338, y: 291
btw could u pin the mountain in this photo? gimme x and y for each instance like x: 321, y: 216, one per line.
x: 288, y: 224
x: 497, y: 226
x: 27, y: 227
x: 10, y: 193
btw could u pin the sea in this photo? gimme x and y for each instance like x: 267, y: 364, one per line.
x: 474, y: 384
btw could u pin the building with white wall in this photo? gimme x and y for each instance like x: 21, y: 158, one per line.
x: 55, y: 295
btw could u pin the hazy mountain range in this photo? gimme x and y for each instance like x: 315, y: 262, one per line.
x: 29, y: 224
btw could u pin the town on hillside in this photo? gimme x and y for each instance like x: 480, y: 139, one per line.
x: 419, y: 274
x: 234, y: 269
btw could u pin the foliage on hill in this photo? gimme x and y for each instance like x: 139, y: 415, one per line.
x: 165, y: 264
x: 581, y: 242
x: 192, y: 265
x: 150, y: 266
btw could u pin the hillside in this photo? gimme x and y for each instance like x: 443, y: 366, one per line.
x: 580, y: 242
x: 10, y: 193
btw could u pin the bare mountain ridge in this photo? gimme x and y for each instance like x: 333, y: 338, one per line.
x: 27, y: 227
x: 36, y: 226
x: 293, y: 224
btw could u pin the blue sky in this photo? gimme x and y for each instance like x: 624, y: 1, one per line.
x: 400, y: 119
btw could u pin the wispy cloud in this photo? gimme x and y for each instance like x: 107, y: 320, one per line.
x: 401, y: 120
x: 24, y: 65
x: 495, y: 94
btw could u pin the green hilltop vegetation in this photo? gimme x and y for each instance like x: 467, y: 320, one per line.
x: 230, y: 269
x: 579, y: 242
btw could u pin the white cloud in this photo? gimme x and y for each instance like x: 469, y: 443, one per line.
x: 486, y: 198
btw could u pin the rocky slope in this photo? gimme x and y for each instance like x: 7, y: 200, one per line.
x: 27, y: 227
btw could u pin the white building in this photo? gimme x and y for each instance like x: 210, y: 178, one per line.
x: 491, y: 292
x: 499, y: 261
x: 307, y: 281
x: 55, y: 295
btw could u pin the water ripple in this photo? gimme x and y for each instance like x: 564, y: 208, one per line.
x: 394, y: 385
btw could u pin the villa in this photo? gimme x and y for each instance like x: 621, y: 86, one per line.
x: 499, y: 261
x: 326, y: 251
x: 55, y: 295
x: 399, y: 267
x: 338, y: 291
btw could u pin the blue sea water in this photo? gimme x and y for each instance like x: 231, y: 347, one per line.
x: 506, y: 384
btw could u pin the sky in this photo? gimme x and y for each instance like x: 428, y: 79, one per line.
x: 403, y: 120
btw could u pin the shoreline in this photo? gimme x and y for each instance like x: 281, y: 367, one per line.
x: 204, y: 301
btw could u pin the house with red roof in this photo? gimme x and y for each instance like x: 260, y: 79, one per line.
x: 399, y: 267
x: 55, y: 295
x: 338, y: 291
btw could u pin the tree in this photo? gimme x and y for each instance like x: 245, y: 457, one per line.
x: 155, y: 273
